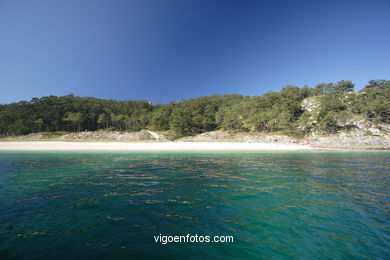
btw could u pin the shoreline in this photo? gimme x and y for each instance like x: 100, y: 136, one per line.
x: 147, y: 146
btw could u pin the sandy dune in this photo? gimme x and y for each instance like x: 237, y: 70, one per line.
x: 151, y: 146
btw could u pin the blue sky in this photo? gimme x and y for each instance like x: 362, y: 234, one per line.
x: 163, y: 50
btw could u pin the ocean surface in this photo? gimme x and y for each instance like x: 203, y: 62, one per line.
x: 275, y: 205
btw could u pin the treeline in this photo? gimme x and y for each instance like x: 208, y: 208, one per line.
x: 273, y: 111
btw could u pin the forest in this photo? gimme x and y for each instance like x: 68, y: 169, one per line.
x: 272, y: 112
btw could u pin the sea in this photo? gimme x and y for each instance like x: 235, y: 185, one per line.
x: 195, y: 205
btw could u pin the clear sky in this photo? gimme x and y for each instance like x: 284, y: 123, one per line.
x: 163, y: 50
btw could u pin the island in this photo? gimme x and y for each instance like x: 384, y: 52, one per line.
x: 328, y: 115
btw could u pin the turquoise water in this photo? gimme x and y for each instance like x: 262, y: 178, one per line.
x: 278, y: 205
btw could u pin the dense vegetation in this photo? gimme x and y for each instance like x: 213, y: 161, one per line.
x: 273, y: 111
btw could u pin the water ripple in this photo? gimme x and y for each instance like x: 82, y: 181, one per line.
x: 276, y: 205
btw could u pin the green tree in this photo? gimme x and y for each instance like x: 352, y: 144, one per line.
x: 328, y: 122
x: 344, y: 86
x: 75, y: 118
x: 160, y: 118
x: 230, y: 118
x: 103, y: 120
x: 39, y: 123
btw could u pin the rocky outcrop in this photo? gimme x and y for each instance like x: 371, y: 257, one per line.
x: 222, y: 136
x: 356, y: 131
x: 347, y: 140
x: 352, y: 139
x: 311, y: 105
x: 144, y: 135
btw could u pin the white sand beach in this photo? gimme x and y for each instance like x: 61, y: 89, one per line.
x: 145, y: 146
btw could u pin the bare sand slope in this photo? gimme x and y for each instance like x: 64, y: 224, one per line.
x: 151, y: 146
